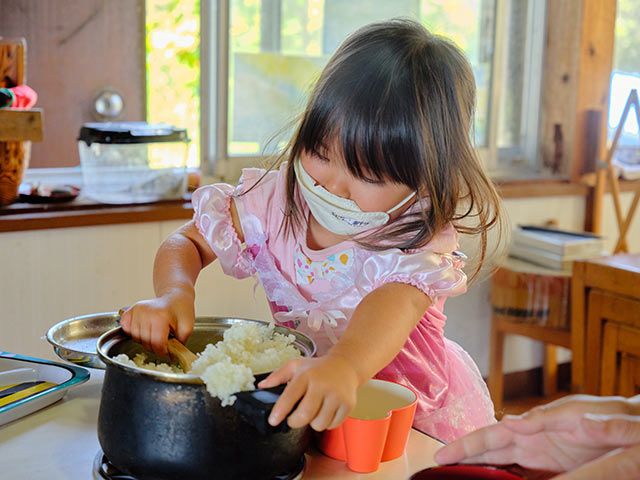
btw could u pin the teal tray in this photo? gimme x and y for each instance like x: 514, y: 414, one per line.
x: 26, y: 371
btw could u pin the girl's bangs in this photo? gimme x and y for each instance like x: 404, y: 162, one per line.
x: 375, y: 141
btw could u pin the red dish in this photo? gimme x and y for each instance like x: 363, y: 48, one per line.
x: 481, y: 472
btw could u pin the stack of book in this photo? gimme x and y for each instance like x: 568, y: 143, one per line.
x: 554, y: 249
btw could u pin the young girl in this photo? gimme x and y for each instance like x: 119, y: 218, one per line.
x: 354, y: 238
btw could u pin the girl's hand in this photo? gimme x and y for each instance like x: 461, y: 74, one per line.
x: 560, y: 436
x: 149, y: 322
x: 326, y: 385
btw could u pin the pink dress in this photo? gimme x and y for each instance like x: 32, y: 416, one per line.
x: 316, y: 292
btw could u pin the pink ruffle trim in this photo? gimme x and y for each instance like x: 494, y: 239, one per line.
x: 212, y: 217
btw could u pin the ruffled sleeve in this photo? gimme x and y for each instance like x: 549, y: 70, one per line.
x: 436, y: 269
x: 212, y: 217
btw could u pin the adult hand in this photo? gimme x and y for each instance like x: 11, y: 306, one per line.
x: 620, y: 464
x: 560, y: 436
x: 326, y: 385
x: 149, y: 322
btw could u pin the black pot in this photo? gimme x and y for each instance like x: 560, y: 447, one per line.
x: 157, y: 426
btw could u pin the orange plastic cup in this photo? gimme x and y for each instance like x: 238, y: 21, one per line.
x: 376, y: 430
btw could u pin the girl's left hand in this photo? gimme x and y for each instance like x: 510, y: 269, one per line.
x: 326, y: 385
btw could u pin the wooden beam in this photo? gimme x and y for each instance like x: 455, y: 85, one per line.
x: 594, y: 76
x: 20, y: 125
x: 560, y: 84
x: 13, y: 53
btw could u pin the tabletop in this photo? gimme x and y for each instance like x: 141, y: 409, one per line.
x: 60, y: 442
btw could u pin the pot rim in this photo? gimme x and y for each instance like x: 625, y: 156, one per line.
x: 111, y: 338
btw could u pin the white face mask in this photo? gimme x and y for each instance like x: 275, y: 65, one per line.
x: 339, y: 215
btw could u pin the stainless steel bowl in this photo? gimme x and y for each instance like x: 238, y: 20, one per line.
x: 75, y: 339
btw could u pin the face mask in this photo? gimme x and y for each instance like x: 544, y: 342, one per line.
x: 337, y: 214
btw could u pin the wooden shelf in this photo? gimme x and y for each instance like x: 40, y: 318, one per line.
x: 554, y: 336
x: 20, y: 125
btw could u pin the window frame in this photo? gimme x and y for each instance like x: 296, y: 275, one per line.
x: 515, y: 162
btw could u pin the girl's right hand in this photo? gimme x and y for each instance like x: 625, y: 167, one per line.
x: 150, y: 322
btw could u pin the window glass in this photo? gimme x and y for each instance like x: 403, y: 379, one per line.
x: 173, y: 67
x: 624, y: 78
x: 278, y: 48
x: 512, y: 81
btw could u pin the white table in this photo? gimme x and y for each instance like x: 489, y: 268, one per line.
x: 60, y: 442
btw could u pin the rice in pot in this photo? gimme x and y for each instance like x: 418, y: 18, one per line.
x: 229, y: 366
x: 140, y: 360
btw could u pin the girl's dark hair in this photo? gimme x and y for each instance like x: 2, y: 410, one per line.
x: 399, y: 103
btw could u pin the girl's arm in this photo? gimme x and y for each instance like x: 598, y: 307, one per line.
x: 175, y: 270
x: 377, y: 331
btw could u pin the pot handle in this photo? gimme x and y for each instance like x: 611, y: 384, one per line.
x: 255, y: 406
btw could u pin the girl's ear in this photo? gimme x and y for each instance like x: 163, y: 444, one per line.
x: 422, y: 193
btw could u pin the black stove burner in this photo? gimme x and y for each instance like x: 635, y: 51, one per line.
x: 103, y: 469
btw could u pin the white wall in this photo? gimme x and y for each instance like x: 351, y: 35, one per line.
x: 49, y: 275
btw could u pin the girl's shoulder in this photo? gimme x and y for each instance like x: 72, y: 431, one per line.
x: 435, y: 268
x: 445, y: 241
x: 254, y: 178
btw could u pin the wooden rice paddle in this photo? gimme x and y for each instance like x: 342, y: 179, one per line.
x: 177, y: 350
x: 185, y: 356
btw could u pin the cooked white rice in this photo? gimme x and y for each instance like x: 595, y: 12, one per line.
x: 140, y: 360
x: 229, y: 366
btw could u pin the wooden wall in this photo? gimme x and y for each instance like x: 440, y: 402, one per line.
x: 75, y: 48
x: 577, y: 71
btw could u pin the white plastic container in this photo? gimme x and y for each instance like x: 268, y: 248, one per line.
x: 133, y: 162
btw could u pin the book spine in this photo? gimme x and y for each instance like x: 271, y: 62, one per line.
x: 545, y: 259
x: 569, y: 250
x: 528, y: 241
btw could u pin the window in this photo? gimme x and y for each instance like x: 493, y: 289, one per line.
x: 625, y: 77
x: 173, y: 67
x: 261, y: 57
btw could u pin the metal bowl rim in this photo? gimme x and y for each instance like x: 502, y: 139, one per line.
x: 53, y: 328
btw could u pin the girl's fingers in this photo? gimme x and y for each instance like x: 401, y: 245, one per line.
x: 159, y: 335
x: 325, y: 415
x: 279, y: 376
x: 292, y: 393
x: 621, y: 464
x: 306, y: 411
x: 338, y: 418
x: 125, y: 321
x: 493, y: 437
x: 135, y: 330
x: 145, y: 334
x: 183, y: 330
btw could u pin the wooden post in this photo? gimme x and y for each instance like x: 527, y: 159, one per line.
x: 594, y: 74
x: 17, y: 127
x: 12, y: 61
x: 593, y: 208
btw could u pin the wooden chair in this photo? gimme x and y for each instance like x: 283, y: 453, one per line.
x: 620, y: 365
x: 607, y: 171
x: 605, y: 294
x: 532, y: 302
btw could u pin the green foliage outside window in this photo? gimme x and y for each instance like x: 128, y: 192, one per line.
x: 173, y: 67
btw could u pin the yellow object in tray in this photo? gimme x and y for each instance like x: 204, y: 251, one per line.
x: 18, y: 391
